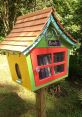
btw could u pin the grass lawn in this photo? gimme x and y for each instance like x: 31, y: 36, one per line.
x: 16, y: 101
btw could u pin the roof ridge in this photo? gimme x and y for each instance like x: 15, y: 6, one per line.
x: 49, y: 9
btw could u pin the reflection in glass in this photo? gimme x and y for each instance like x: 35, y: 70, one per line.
x: 44, y: 72
x: 59, y: 68
x: 59, y: 57
x: 44, y: 59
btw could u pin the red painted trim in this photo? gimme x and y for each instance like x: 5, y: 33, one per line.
x: 39, y: 51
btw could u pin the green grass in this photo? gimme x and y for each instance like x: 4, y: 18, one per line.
x: 65, y: 106
x: 15, y: 101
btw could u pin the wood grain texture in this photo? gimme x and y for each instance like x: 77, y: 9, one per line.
x: 21, y: 38
x: 41, y: 102
x: 31, y: 24
x: 24, y: 34
x: 38, y: 17
x: 16, y: 43
x: 26, y: 30
x: 29, y: 29
x: 48, y: 10
x: 12, y: 48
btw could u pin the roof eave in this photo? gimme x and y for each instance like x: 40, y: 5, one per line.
x: 62, y: 33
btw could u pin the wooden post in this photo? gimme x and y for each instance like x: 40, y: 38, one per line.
x: 41, y: 103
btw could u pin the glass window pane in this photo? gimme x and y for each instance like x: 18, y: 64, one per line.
x: 58, y: 69
x: 45, y: 72
x: 59, y: 57
x: 44, y: 59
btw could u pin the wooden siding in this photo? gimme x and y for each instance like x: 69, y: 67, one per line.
x: 48, y: 10
x: 12, y: 48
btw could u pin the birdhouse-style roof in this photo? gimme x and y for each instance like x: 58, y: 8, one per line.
x: 29, y: 28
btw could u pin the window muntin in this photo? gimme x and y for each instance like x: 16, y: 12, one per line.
x: 45, y: 72
x: 58, y: 68
x: 44, y: 59
x: 59, y: 57
x: 38, y: 52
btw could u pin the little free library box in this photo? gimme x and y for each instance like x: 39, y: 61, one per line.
x: 38, y: 49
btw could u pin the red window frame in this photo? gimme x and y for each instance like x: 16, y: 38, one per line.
x: 38, y: 51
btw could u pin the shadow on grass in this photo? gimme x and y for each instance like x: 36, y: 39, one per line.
x: 64, y: 106
x: 11, y: 105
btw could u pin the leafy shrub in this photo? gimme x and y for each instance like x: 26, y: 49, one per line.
x: 1, y: 38
x: 75, y: 68
x: 80, y: 96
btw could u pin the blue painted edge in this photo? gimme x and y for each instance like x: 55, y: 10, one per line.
x: 61, y: 32
x: 50, y: 20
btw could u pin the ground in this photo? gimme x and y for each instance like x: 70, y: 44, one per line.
x: 16, y: 101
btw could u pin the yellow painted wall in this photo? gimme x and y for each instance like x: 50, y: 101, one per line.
x: 21, y: 61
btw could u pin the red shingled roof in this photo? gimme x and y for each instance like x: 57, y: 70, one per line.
x: 27, y: 29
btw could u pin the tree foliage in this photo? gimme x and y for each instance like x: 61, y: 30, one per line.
x: 9, y: 10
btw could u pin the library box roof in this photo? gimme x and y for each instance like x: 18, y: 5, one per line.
x: 29, y: 28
